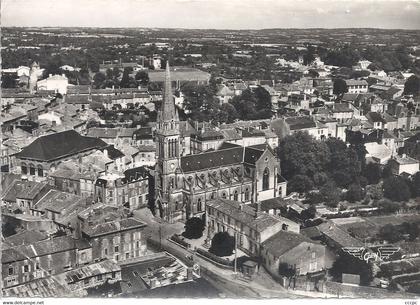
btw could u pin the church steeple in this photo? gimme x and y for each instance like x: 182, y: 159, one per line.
x: 168, y: 112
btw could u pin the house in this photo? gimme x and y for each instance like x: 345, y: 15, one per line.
x: 76, y: 177
x: 58, y: 83
x: 337, y: 238
x: 205, y: 140
x: 357, y: 86
x: 42, y: 156
x: 297, y: 251
x: 404, y: 164
x: 80, y: 279
x: 130, y: 189
x: 24, y: 263
x: 60, y: 207
x: 247, y: 224
x: 378, y: 153
x: 224, y: 94
x: 121, y: 239
x: 22, y: 195
x: 342, y: 112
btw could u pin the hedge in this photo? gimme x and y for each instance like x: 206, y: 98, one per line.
x: 215, y: 258
x: 180, y: 241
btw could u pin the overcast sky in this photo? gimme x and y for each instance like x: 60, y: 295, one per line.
x: 215, y: 14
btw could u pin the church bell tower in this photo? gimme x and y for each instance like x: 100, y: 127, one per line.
x: 168, y: 152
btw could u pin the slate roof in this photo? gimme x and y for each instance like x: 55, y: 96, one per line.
x: 338, y: 235
x: 24, y: 190
x: 247, y: 214
x: 111, y: 133
x: 375, y: 117
x: 113, y: 227
x: 58, y: 145
x: 87, y: 271
x: 24, y: 238
x: 218, y: 158
x: 341, y: 107
x: 301, y: 122
x: 59, y: 202
x: 209, y: 135
x: 47, y: 287
x: 283, y: 241
x: 143, y: 133
x: 41, y: 248
x: 136, y: 173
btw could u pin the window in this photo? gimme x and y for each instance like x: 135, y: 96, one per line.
x: 137, y: 244
x: 127, y: 255
x: 86, y: 281
x: 116, y: 249
x: 26, y: 268
x: 284, y: 227
x: 113, y: 274
x: 11, y: 270
x: 266, y: 179
x: 199, y: 205
x: 224, y: 195
x: 37, y: 266
x: 99, y: 277
x: 31, y: 169
x: 40, y: 171
x: 235, y: 196
x: 105, y: 252
x: 24, y: 169
x: 247, y: 194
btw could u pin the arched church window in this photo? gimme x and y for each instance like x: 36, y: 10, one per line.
x: 40, y: 171
x: 199, y: 205
x: 235, y: 196
x: 266, y: 179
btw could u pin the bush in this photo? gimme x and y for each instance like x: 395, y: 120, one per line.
x: 222, y: 244
x: 194, y: 228
x: 354, y: 193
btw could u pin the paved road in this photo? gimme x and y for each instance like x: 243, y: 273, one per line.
x: 223, y: 279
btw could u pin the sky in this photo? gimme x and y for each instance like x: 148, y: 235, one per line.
x: 213, y: 14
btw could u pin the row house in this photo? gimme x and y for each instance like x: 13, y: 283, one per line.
x: 129, y: 189
x: 121, y: 240
x: 249, y: 226
x: 51, y: 256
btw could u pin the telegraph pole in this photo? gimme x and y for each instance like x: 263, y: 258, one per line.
x: 236, y: 250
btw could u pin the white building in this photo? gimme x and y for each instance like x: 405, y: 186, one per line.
x: 404, y: 164
x: 58, y: 83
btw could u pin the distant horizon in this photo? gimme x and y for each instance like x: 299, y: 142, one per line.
x: 212, y: 29
x: 213, y: 14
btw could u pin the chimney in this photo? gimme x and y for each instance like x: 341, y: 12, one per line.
x: 106, y: 152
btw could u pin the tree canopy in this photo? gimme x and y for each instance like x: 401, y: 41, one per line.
x: 222, y: 244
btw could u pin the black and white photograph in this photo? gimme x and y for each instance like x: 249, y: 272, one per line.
x: 210, y: 149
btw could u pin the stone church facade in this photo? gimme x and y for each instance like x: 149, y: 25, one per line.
x: 183, y: 184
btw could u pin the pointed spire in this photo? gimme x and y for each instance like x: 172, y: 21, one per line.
x: 168, y: 111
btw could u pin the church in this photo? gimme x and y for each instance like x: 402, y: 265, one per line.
x: 184, y: 183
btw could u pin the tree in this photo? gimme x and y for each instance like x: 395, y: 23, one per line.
x: 372, y: 172
x: 222, y: 244
x: 415, y: 185
x: 142, y: 77
x: 390, y: 233
x: 194, y: 228
x: 395, y: 188
x: 309, y: 213
x: 354, y: 193
x: 331, y: 195
x: 344, y: 166
x: 387, y: 205
x: 300, y: 184
x: 412, y: 86
x: 340, y: 87
x: 99, y: 79
x: 8, y: 81
x: 125, y: 80
x: 301, y: 154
